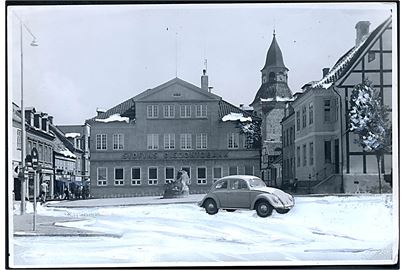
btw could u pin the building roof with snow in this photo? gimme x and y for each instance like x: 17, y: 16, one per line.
x: 126, y: 111
x: 63, y: 145
x: 348, y: 60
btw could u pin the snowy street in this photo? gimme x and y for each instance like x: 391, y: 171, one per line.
x: 353, y: 229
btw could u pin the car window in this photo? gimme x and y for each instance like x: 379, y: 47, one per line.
x: 256, y: 182
x: 243, y: 184
x: 221, y: 185
x: 237, y: 184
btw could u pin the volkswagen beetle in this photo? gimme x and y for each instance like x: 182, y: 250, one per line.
x: 246, y: 192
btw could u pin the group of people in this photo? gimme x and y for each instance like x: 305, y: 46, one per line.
x: 74, y: 192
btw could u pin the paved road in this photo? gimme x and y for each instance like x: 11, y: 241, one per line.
x: 47, y: 225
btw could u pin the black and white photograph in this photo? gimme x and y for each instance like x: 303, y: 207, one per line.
x: 201, y: 135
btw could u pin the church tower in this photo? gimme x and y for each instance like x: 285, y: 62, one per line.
x: 269, y: 104
x: 274, y: 77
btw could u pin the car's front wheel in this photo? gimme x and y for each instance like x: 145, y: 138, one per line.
x: 210, y: 207
x: 264, y: 209
x: 282, y: 211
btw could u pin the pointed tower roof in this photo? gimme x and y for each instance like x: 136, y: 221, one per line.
x: 274, y: 55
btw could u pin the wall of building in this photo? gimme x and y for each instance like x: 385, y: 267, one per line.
x: 316, y: 133
x: 288, y: 131
x: 144, y: 188
x: 376, y: 66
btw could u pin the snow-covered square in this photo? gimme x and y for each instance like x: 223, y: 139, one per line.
x: 318, y: 230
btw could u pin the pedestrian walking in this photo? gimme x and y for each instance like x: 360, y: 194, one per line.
x: 67, y: 193
x: 44, y: 190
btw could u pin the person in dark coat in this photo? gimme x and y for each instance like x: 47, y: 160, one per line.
x: 67, y: 194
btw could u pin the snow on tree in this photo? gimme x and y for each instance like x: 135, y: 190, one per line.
x: 369, y: 119
x: 252, y: 130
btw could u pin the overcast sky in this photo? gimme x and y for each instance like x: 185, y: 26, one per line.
x: 98, y: 56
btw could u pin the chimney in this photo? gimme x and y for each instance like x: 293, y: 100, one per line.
x: 50, y: 119
x: 241, y: 106
x: 29, y: 116
x: 325, y: 71
x: 38, y: 120
x: 45, y: 123
x: 204, y: 80
x: 100, y: 111
x: 362, y: 30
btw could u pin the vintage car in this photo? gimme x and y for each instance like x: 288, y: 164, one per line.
x: 246, y: 192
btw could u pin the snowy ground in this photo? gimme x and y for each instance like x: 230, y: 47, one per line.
x: 350, y: 230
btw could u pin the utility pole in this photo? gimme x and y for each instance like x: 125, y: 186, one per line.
x: 23, y: 133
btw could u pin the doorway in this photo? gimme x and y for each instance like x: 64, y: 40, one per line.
x: 336, y: 156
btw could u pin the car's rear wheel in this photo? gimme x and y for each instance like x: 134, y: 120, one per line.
x: 210, y: 207
x: 282, y: 211
x: 264, y: 209
x: 230, y: 210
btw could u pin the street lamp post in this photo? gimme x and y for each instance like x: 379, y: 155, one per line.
x: 23, y: 134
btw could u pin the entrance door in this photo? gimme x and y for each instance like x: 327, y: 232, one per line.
x: 336, y: 156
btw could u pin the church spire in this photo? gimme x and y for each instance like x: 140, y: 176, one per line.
x: 274, y: 55
x: 274, y: 75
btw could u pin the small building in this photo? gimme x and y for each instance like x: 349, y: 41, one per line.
x: 139, y: 145
x: 78, y: 136
x: 68, y: 160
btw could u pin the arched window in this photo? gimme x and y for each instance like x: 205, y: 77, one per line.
x: 272, y: 76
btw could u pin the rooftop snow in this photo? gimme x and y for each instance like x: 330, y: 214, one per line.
x: 67, y: 153
x: 236, y: 117
x: 114, y: 118
x: 72, y: 135
x: 277, y: 99
x: 333, y: 74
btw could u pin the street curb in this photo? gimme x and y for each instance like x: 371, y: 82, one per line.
x: 119, y: 205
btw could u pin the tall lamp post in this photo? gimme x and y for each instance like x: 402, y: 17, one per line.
x: 23, y: 135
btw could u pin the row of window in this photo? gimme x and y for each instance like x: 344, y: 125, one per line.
x: 169, y: 174
x: 288, y: 136
x: 303, y: 154
x: 65, y: 165
x: 169, y: 141
x: 45, y: 151
x: 169, y: 110
x: 327, y: 116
